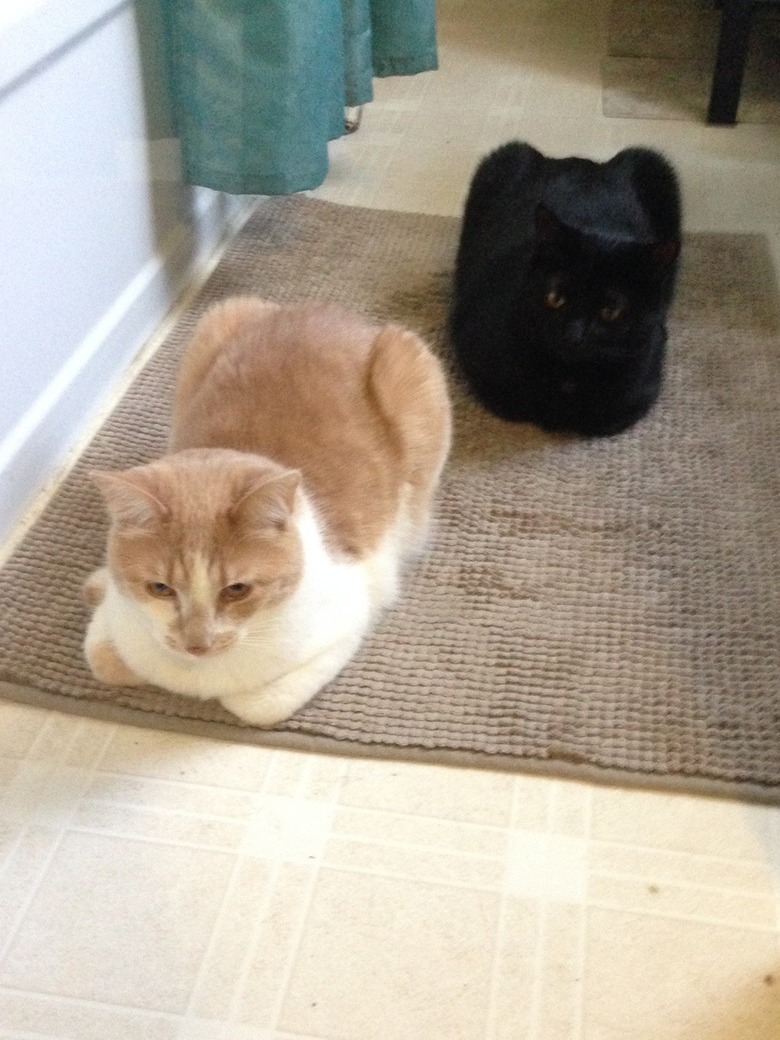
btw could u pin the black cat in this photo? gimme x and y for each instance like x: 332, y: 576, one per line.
x: 564, y: 276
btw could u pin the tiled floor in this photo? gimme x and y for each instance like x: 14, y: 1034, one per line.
x: 158, y: 887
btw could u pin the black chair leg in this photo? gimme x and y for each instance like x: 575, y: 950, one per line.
x: 730, y: 61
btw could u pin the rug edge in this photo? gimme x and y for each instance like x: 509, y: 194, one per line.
x: 308, y: 743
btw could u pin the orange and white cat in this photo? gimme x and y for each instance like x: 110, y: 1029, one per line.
x: 248, y: 564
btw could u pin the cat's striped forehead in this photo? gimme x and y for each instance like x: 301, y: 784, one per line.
x: 199, y: 574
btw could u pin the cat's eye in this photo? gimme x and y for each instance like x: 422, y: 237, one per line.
x: 160, y: 590
x: 554, y: 299
x: 238, y: 590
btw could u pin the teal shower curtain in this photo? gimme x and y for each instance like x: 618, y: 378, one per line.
x: 259, y: 87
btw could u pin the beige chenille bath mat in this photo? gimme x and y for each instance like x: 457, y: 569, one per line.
x: 606, y: 609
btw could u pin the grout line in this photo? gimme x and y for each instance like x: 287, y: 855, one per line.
x: 177, y: 781
x: 60, y: 760
x: 26, y: 903
x: 304, y: 909
x: 230, y: 889
x: 24, y: 1035
x: 5, y: 866
x: 461, y: 886
x: 719, y: 922
x: 84, y: 1002
x: 63, y: 826
x: 501, y: 927
x: 699, y: 857
x: 260, y: 925
x: 541, y: 937
x: 417, y: 846
x: 578, y: 1025
x: 169, y: 811
x: 107, y: 734
x: 153, y: 839
x: 685, y: 886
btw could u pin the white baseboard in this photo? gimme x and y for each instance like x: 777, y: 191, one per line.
x: 42, y: 444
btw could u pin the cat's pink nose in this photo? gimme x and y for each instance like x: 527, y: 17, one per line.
x: 197, y: 650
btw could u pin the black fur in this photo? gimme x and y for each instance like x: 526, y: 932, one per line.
x: 564, y: 276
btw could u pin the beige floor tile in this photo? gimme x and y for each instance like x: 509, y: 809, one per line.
x: 43, y: 793
x: 71, y: 741
x: 28, y: 850
x: 685, y: 902
x: 8, y: 770
x: 531, y: 805
x: 210, y: 1029
x: 651, y: 977
x: 19, y: 726
x: 288, y: 829
x: 418, y: 864
x: 437, y: 791
x: 661, y: 866
x: 684, y: 824
x: 403, y: 829
x: 33, y: 1015
x: 324, y: 778
x: 558, y: 993
x: 172, y: 756
x: 386, y: 959
x: 549, y: 866
x: 188, y: 798
x: 438, y: 851
x: 517, y: 974
x: 216, y: 991
x: 159, y: 824
x: 269, y: 955
x: 119, y: 922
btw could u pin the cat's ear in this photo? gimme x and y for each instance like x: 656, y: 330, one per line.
x: 548, y: 227
x: 269, y: 502
x: 130, y: 496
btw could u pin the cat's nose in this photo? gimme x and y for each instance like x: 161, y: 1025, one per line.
x: 197, y: 649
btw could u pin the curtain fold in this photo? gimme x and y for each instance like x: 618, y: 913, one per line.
x: 259, y: 87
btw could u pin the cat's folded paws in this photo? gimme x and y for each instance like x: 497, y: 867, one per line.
x: 261, y: 709
x: 278, y: 700
x: 108, y: 667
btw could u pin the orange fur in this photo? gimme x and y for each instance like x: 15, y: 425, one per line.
x: 305, y: 450
x: 360, y: 416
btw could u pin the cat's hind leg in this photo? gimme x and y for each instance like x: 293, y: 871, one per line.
x: 410, y: 387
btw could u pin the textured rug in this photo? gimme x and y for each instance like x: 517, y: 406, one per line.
x: 602, y: 609
x: 660, y: 59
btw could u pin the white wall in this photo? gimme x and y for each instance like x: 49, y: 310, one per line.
x: 97, y: 232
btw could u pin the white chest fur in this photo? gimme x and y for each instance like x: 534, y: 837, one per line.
x: 282, y: 656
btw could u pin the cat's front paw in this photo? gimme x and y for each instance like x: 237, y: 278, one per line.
x: 108, y: 667
x: 280, y: 699
x: 264, y: 708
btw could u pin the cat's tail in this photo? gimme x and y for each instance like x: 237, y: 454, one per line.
x: 409, y: 387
